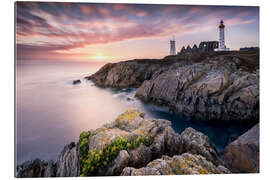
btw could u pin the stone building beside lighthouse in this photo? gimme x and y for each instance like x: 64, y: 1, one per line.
x: 204, y: 46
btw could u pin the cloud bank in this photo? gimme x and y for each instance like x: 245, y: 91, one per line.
x: 50, y: 30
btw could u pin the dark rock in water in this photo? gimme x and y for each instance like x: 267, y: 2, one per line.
x: 179, y: 164
x: 130, y: 99
x: 195, y: 142
x: 68, y: 161
x: 36, y: 168
x: 242, y: 155
x: 232, y: 138
x: 76, y: 82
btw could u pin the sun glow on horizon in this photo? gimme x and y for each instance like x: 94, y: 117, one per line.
x: 100, y: 57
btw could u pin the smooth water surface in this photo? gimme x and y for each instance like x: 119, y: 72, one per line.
x: 51, y: 112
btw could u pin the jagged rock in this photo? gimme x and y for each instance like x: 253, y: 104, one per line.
x: 122, y: 75
x: 68, y: 161
x: 116, y: 166
x: 144, y: 171
x: 50, y: 170
x: 176, y: 165
x: 242, y: 155
x: 195, y: 142
x: 140, y: 156
x: 131, y: 125
x: 36, y: 168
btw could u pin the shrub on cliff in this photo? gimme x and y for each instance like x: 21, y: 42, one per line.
x: 97, y: 158
x: 84, y: 146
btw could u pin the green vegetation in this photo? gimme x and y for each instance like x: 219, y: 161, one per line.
x: 97, y: 158
x: 84, y: 145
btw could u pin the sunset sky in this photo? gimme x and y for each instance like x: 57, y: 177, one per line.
x: 114, y: 32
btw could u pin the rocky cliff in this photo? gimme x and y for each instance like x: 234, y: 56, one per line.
x: 133, y: 145
x: 215, y: 86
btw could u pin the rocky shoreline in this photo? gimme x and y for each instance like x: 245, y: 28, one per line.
x: 221, y: 86
x: 218, y: 86
x: 132, y: 145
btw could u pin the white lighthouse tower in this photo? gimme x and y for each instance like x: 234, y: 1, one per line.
x: 222, y: 46
x: 172, y: 46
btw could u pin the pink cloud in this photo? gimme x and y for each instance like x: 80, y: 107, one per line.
x: 123, y: 7
x: 142, y: 13
x: 196, y: 10
x: 104, y: 11
x: 238, y: 21
x: 171, y: 9
x: 86, y: 9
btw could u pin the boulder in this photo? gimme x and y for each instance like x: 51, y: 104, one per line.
x: 242, y: 155
x: 195, y: 142
x: 179, y: 164
x: 140, y: 156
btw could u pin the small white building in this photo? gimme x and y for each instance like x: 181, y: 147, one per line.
x: 221, y: 45
x: 172, y: 47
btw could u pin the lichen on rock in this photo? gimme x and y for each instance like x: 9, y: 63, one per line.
x: 179, y: 164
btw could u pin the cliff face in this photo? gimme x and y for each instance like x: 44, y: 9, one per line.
x: 210, y: 87
x: 131, y: 73
x: 210, y: 90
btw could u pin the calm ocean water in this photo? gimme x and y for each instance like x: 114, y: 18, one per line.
x: 51, y: 112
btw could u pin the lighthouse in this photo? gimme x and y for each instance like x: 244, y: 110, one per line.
x: 172, y: 46
x: 222, y: 46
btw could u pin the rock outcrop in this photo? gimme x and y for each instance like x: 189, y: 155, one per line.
x: 210, y: 90
x: 130, y: 74
x: 212, y: 86
x: 36, y: 168
x: 68, y: 161
x: 151, y: 147
x: 195, y: 142
x: 242, y: 155
x: 179, y: 164
x: 131, y: 125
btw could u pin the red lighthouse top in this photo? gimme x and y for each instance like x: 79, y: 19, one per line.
x: 221, y: 26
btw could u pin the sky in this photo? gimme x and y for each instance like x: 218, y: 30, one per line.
x: 67, y: 31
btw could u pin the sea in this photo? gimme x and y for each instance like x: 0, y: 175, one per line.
x: 51, y: 111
